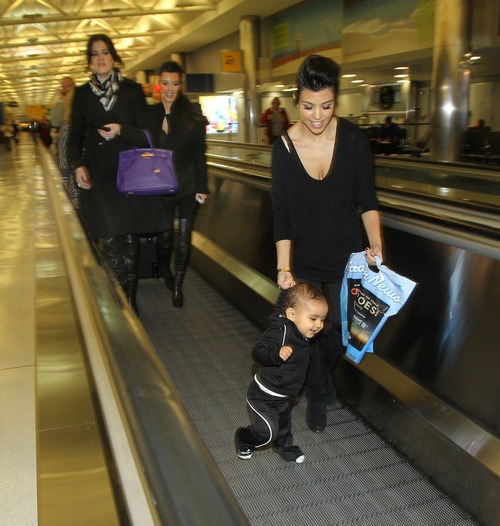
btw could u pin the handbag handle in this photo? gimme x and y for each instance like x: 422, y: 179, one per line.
x: 148, y: 137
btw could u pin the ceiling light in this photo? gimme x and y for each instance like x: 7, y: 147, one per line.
x: 402, y: 67
x: 349, y: 75
x: 279, y: 85
x: 401, y: 75
x: 357, y: 81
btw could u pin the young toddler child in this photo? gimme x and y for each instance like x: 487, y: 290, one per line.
x: 284, y: 353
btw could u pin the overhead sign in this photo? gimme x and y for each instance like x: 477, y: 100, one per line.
x: 231, y: 61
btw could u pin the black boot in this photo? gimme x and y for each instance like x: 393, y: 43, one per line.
x: 181, y: 259
x: 164, y: 244
x: 331, y: 350
x: 121, y: 254
x: 111, y: 249
x: 131, y: 249
x: 316, y: 407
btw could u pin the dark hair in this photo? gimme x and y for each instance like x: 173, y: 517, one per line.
x: 171, y: 67
x: 317, y: 73
x: 186, y: 111
x: 109, y: 44
x: 302, y: 292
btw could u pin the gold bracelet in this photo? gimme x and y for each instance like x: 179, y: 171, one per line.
x: 285, y: 269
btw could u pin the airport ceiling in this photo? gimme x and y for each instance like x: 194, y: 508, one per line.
x: 43, y: 40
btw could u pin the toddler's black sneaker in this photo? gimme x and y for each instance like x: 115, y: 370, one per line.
x: 290, y: 454
x: 242, y: 451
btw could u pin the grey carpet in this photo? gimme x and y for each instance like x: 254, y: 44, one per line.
x: 350, y: 477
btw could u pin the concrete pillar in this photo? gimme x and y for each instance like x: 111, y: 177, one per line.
x: 249, y: 44
x: 450, y: 77
x: 179, y: 58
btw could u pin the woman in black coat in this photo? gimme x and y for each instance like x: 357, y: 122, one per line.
x: 178, y: 126
x: 109, y: 113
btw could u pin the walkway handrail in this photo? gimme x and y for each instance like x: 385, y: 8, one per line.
x: 166, y: 471
x: 238, y: 162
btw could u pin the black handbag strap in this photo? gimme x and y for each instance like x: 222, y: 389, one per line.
x: 148, y: 137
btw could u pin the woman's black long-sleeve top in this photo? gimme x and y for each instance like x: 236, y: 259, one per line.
x: 103, y: 211
x: 186, y: 137
x: 282, y: 377
x: 322, y: 217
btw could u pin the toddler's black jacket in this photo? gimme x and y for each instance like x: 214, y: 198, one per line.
x: 285, y: 378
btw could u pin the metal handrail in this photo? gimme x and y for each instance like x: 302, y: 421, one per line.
x: 166, y: 471
x: 466, y: 216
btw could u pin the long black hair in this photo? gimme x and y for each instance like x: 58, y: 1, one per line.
x: 171, y: 66
x: 109, y: 44
x: 186, y: 110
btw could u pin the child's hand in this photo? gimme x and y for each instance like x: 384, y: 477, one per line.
x: 285, y: 352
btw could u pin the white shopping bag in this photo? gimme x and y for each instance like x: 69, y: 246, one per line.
x: 368, y: 297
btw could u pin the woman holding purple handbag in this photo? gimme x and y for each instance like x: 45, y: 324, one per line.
x: 108, y: 116
x: 179, y: 126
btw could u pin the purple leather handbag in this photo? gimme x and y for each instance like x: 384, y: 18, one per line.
x: 146, y: 171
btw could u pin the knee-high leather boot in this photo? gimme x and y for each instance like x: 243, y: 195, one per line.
x: 164, y: 244
x: 111, y: 248
x: 181, y: 259
x: 131, y: 247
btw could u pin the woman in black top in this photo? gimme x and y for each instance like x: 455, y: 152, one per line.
x: 178, y: 126
x: 108, y: 114
x: 323, y: 199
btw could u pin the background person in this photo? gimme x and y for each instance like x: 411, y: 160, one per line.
x: 389, y: 131
x: 276, y: 121
x: 389, y: 137
x: 322, y: 176
x: 480, y: 125
x: 284, y: 354
x: 178, y: 126
x: 8, y: 130
x: 67, y: 175
x: 57, y: 115
x: 108, y: 115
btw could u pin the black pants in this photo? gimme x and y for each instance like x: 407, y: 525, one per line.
x: 270, y: 418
